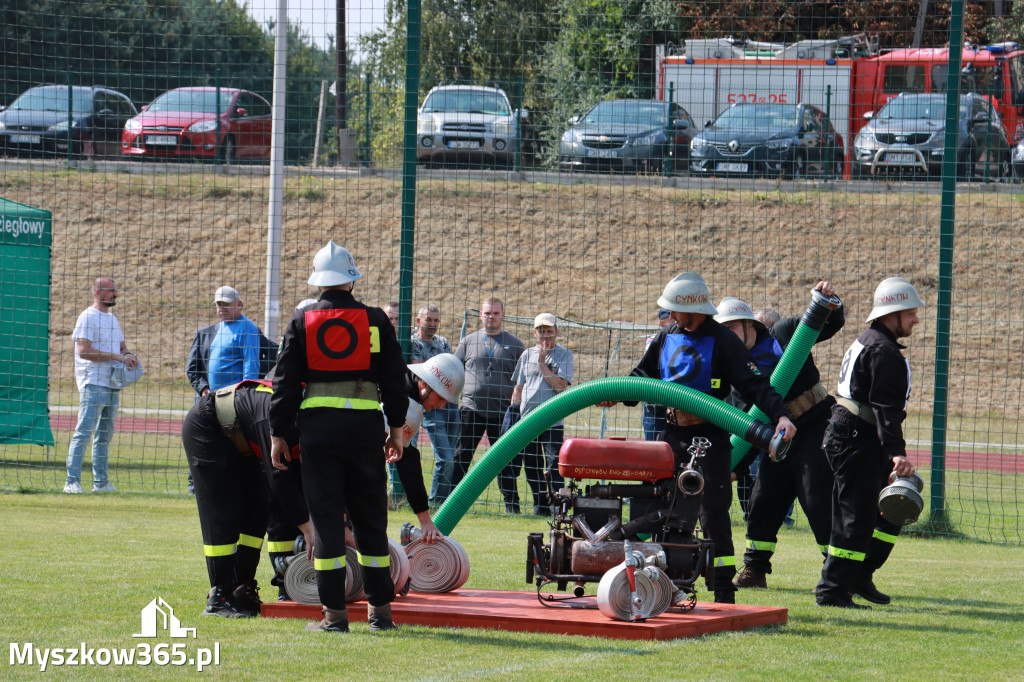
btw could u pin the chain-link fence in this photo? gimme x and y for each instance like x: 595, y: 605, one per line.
x: 567, y: 157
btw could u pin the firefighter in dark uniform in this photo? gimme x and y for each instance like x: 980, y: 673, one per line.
x: 429, y: 385
x: 225, y: 435
x: 698, y: 352
x: 339, y: 362
x: 804, y: 474
x: 864, y: 445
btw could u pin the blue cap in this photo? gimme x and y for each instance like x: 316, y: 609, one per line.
x: 663, y: 313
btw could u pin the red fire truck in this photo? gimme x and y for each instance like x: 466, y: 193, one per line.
x: 846, y: 77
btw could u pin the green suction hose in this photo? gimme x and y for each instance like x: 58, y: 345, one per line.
x: 792, y: 361
x: 638, y: 389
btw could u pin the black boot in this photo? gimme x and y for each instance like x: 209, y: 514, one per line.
x: 866, y: 588
x: 841, y: 601
x: 219, y: 604
x: 725, y: 596
x: 246, y: 599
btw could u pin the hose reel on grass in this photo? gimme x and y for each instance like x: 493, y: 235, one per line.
x: 300, y: 576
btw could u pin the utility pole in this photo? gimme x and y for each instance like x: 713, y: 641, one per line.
x: 346, y: 137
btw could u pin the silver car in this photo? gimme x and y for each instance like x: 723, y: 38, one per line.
x: 907, y: 137
x: 469, y: 124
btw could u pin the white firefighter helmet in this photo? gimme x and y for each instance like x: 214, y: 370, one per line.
x: 413, y: 420
x: 893, y: 295
x: 333, y: 265
x: 731, y: 308
x: 687, y: 293
x: 444, y: 373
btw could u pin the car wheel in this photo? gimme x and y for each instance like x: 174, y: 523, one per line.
x: 230, y: 153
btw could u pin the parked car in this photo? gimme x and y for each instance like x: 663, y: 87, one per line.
x: 1017, y: 160
x: 182, y: 123
x: 468, y: 124
x: 907, y: 136
x: 628, y: 135
x: 37, y: 121
x: 789, y: 140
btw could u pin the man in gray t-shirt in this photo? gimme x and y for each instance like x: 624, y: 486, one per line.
x: 542, y: 372
x: 490, y: 355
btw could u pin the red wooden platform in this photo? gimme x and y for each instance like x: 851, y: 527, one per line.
x: 521, y: 612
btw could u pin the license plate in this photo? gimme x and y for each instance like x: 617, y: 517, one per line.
x: 24, y: 139
x: 602, y: 153
x: 732, y: 167
x: 901, y: 158
x: 464, y: 144
x: 161, y: 139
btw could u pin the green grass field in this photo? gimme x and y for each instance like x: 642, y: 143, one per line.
x: 79, y: 569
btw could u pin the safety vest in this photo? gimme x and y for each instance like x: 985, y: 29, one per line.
x: 340, y: 340
x: 686, y: 360
x: 767, y: 354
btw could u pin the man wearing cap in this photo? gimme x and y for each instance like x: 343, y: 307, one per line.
x: 653, y: 416
x: 542, y: 372
x: 490, y: 356
x: 227, y: 352
x: 864, y: 444
x: 804, y: 474
x: 698, y: 352
x: 340, y: 373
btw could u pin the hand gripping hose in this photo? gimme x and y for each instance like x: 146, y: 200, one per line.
x: 638, y: 389
x: 793, y: 358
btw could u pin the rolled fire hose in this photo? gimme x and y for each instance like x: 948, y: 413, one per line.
x: 300, y: 577
x: 300, y: 580
x: 440, y: 567
x: 613, y: 593
x: 793, y: 358
x: 638, y: 389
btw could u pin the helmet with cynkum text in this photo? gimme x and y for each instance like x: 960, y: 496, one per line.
x: 892, y: 295
x: 687, y: 293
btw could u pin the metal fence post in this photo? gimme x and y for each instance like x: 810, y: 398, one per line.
x: 368, y: 157
x: 947, y: 227
x: 405, y: 262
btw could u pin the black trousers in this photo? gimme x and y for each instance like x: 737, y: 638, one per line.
x: 804, y: 475
x: 539, y: 456
x: 474, y: 425
x: 861, y: 540
x: 281, y: 532
x: 714, y: 511
x: 231, y: 494
x: 336, y: 478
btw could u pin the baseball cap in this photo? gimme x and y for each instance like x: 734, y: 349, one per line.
x: 226, y: 295
x: 545, y: 319
x: 663, y: 313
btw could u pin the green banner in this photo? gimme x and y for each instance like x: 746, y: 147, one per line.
x: 25, y: 239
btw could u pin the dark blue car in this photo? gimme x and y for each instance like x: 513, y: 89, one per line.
x: 788, y: 140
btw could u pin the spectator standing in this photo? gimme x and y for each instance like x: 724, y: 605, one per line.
x: 542, y: 372
x: 864, y: 444
x: 99, y: 348
x: 441, y: 423
x: 804, y: 474
x: 697, y: 352
x: 226, y: 352
x: 340, y: 361
x: 490, y: 356
x: 653, y: 416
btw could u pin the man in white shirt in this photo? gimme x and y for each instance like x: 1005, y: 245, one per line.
x: 99, y: 347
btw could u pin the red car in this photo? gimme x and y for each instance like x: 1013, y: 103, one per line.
x: 183, y: 123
